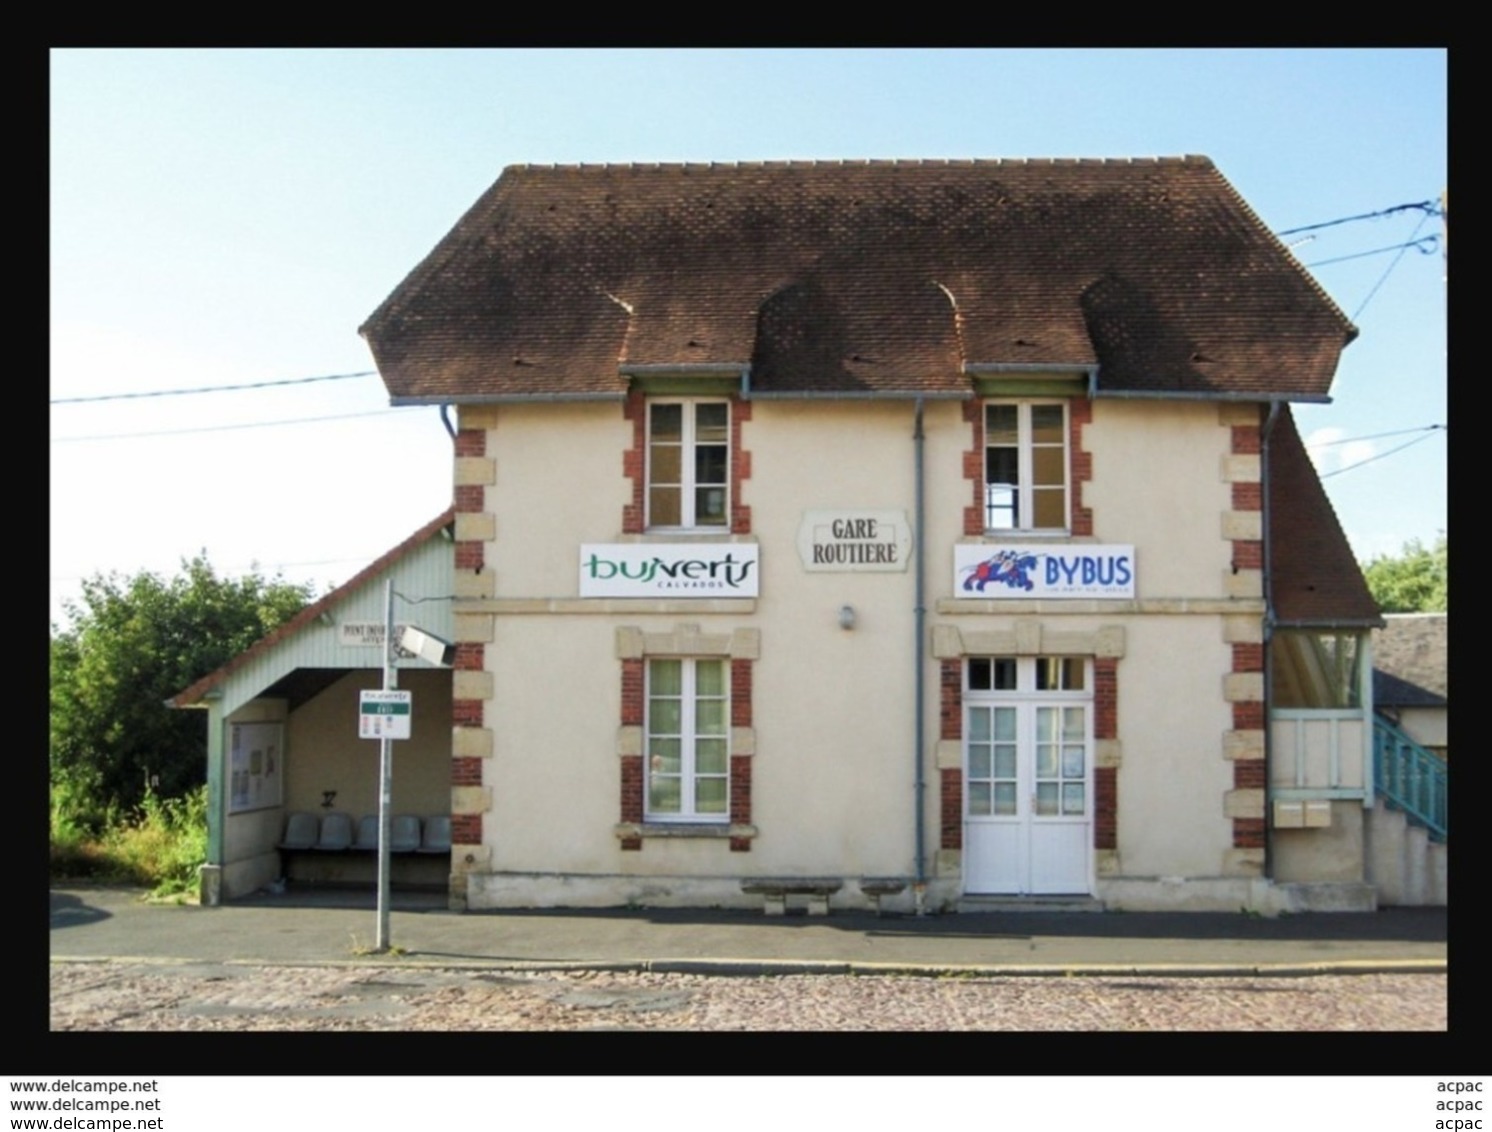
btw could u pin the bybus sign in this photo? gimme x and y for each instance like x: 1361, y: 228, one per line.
x: 384, y: 714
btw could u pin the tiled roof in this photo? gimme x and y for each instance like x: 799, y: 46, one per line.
x: 1314, y: 578
x: 859, y: 277
x: 1411, y: 660
x: 192, y: 696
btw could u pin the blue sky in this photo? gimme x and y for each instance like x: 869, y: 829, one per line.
x: 231, y: 216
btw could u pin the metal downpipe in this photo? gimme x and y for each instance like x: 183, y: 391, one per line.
x: 919, y: 441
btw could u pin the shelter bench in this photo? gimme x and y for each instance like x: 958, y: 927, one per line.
x: 775, y: 891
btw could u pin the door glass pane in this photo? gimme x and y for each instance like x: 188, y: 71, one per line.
x: 1005, y: 761
x: 1005, y: 676
x: 1005, y: 724
x: 1072, y: 724
x: 1046, y: 725
x: 979, y: 726
x: 980, y: 762
x: 1004, y: 798
x: 979, y: 674
x: 1072, y: 762
x: 1046, y: 761
x: 1072, y: 798
x: 979, y: 799
x: 1046, y: 798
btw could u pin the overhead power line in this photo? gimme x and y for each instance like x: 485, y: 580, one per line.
x: 1379, y: 456
x: 1428, y: 207
x: 210, y: 388
x: 1375, y: 436
x: 222, y: 428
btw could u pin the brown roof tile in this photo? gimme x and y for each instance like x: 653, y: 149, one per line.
x: 859, y: 276
x: 1314, y: 579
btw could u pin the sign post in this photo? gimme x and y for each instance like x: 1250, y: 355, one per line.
x: 386, y: 770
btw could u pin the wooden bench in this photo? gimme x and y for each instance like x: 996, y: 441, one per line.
x: 775, y: 891
x: 876, y: 887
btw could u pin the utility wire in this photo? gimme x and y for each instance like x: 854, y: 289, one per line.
x: 221, y: 428
x: 1379, y: 456
x: 1389, y: 269
x: 1425, y: 245
x: 1428, y: 207
x: 210, y: 388
x: 1375, y: 436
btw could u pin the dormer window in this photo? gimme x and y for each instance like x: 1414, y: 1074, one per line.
x: 688, y: 473
x: 1025, y: 466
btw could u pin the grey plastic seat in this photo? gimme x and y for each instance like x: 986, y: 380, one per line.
x: 336, y: 833
x: 437, y: 835
x: 300, y: 832
x: 367, y: 834
x: 404, y: 837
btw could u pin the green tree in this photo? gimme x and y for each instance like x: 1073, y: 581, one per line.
x: 132, y: 643
x: 1413, y: 581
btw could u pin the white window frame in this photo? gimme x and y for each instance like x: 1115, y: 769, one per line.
x: 688, y: 520
x: 1025, y: 503
x: 688, y: 736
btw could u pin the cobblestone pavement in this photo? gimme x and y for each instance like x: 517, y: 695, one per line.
x: 132, y: 996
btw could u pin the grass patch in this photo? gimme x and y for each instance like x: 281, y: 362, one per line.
x: 160, y: 846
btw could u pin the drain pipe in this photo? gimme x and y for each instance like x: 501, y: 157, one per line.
x: 919, y: 441
x: 1269, y: 620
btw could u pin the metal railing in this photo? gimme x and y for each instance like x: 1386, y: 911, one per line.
x: 1411, y: 778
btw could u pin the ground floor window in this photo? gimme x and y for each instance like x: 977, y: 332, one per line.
x: 687, y: 739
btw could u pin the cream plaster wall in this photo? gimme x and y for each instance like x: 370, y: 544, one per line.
x: 1332, y: 853
x: 1157, y: 483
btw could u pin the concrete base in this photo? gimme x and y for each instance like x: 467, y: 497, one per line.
x: 1327, y: 897
x: 210, y: 886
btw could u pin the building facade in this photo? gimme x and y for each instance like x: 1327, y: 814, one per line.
x: 929, y: 528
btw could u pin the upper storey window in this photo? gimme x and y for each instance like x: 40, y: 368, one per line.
x: 1025, y: 466
x: 688, y: 465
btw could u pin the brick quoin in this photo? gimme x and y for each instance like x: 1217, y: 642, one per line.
x: 740, y: 693
x: 470, y: 555
x: 632, y: 706
x: 1248, y: 833
x: 466, y: 713
x: 1248, y: 554
x: 1106, y: 698
x: 951, y: 696
x: 471, y: 442
x: 740, y: 800
x: 1245, y: 440
x: 974, y: 468
x: 1079, y: 413
x: 1106, y: 807
x: 466, y: 772
x: 740, y: 467
x: 469, y: 498
x: 466, y: 829
x: 634, y: 461
x: 951, y: 808
x: 470, y: 657
x: 1248, y: 716
x: 1248, y: 658
x: 1248, y: 774
x: 632, y: 787
x: 1248, y: 497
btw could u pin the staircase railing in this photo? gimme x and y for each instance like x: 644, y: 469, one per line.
x: 1411, y: 779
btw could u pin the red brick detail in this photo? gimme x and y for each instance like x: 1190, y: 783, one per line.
x: 471, y: 442
x: 1248, y: 554
x: 632, y: 788
x: 973, y: 462
x: 632, y: 692
x: 466, y: 713
x: 1105, y: 697
x: 1245, y: 440
x: 470, y: 657
x: 1248, y: 658
x: 1105, y: 807
x: 1248, y: 716
x: 951, y: 808
x: 470, y: 555
x: 1248, y: 833
x: 466, y: 772
x: 634, y: 462
x: 1079, y: 413
x: 740, y: 693
x: 951, y: 699
x: 740, y: 467
x: 1248, y: 497
x: 469, y: 498
x: 1248, y: 774
x: 740, y: 800
x: 466, y: 829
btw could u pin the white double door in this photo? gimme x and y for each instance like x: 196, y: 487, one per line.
x: 1028, y: 794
